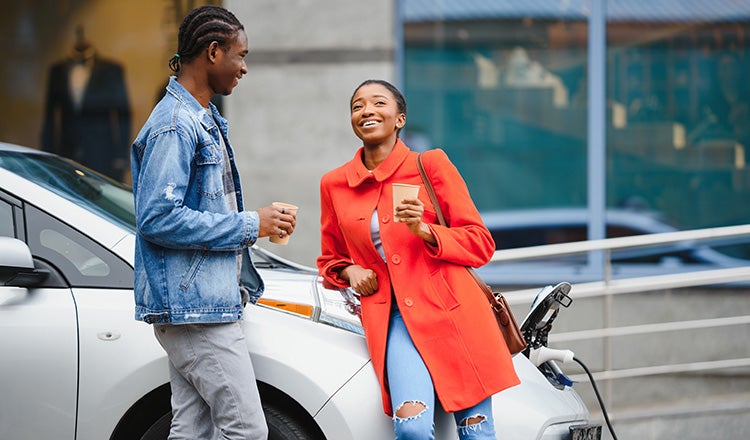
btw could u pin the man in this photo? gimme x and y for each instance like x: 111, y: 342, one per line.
x: 193, y: 232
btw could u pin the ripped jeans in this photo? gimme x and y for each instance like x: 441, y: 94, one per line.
x: 411, y: 385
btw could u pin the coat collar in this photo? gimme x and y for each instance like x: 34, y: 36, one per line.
x: 356, y: 172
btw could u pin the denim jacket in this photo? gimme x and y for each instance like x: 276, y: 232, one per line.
x: 188, y: 238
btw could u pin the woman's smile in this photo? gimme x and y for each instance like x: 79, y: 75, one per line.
x: 375, y: 115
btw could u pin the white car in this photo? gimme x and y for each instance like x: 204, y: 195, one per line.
x: 536, y: 227
x: 76, y: 365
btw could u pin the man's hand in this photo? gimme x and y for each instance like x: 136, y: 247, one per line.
x: 275, y: 220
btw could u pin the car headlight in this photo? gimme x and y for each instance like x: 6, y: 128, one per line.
x: 288, y: 306
x: 336, y: 307
x: 339, y: 308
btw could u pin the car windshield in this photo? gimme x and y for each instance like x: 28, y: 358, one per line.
x: 76, y: 183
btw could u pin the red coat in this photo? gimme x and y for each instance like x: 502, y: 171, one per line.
x: 446, y: 313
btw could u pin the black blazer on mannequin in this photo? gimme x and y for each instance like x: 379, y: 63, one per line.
x: 97, y: 133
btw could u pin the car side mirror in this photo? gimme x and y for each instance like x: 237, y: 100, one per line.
x: 17, y: 265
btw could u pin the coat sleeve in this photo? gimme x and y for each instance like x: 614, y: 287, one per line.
x: 466, y: 241
x: 334, y: 254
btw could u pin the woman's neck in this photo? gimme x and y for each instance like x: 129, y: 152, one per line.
x: 374, y: 155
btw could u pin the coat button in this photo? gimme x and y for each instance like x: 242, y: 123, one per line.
x: 409, y: 302
x: 385, y: 219
x: 395, y: 259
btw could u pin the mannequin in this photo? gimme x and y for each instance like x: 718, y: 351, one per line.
x: 87, y: 112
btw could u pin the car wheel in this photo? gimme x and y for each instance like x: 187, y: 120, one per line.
x: 283, y: 427
x: 160, y: 429
x: 280, y: 427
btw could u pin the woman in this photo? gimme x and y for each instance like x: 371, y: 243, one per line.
x: 428, y: 326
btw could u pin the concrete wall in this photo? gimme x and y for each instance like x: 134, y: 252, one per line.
x: 289, y: 117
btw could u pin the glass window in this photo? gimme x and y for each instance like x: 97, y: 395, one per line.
x: 503, y: 88
x: 7, y: 228
x: 83, y: 262
x: 500, y: 86
x: 681, y: 76
x: 76, y: 183
x: 93, y: 118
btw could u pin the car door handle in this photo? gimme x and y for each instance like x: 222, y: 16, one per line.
x: 108, y: 336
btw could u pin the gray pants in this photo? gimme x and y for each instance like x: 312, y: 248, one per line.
x: 214, y: 394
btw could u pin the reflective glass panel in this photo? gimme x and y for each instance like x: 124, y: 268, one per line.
x: 680, y: 71
x: 500, y: 86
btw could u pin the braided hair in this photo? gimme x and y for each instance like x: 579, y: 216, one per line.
x: 200, y: 27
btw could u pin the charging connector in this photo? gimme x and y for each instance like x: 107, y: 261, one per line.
x: 540, y: 355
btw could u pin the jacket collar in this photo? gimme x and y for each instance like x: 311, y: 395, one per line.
x: 205, y: 117
x: 356, y: 172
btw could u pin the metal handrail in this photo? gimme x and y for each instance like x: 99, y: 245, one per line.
x: 642, y: 284
x: 560, y: 249
x: 608, y: 288
x: 664, y: 369
x: 651, y: 328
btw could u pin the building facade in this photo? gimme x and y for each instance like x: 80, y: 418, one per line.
x: 515, y: 92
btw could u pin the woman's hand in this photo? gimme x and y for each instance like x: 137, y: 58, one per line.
x: 410, y: 213
x: 363, y: 281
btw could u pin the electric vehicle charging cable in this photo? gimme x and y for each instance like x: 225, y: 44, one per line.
x: 543, y: 354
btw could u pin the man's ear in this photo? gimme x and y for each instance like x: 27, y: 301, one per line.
x: 212, y: 51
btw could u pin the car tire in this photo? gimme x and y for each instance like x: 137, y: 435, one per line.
x: 283, y: 427
x: 160, y: 429
x: 280, y: 427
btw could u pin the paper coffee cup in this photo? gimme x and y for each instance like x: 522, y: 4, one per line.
x: 291, y: 209
x: 402, y: 191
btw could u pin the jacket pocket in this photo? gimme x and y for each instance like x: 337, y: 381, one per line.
x: 210, y: 171
x: 443, y: 290
x: 195, y: 266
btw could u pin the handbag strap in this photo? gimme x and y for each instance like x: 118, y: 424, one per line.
x: 430, y: 190
x: 439, y: 212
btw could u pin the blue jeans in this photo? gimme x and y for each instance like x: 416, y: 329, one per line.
x: 214, y: 394
x: 410, y: 384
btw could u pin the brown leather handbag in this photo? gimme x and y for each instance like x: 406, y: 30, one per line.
x: 505, y: 320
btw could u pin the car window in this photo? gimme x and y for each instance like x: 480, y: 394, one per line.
x: 614, y: 231
x: 656, y: 256
x: 82, y: 261
x: 85, y: 261
x: 552, y: 234
x: 11, y: 216
x: 537, y: 236
x: 76, y: 183
x: 7, y: 228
